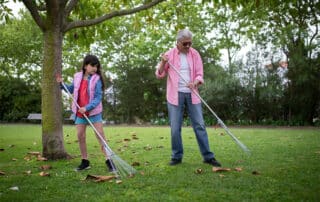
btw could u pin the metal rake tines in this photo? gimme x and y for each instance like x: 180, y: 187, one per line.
x: 122, y: 168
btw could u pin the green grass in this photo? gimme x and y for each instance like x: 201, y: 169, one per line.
x: 287, y: 160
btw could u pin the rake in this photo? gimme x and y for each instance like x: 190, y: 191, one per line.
x: 220, y: 122
x: 120, y: 167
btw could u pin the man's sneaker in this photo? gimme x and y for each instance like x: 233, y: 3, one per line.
x: 213, y: 162
x: 110, y: 165
x: 85, y: 164
x: 174, y: 162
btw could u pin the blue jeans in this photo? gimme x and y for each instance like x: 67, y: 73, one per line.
x: 176, y: 118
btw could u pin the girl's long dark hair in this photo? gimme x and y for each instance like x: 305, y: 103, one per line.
x: 94, y: 61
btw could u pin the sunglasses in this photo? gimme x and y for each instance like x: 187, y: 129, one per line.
x: 185, y: 44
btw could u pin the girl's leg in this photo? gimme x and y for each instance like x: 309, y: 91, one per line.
x: 99, y: 127
x: 110, y: 164
x: 81, y: 133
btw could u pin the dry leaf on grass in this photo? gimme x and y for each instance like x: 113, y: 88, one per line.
x: 27, y: 172
x: 14, y: 188
x: 135, y: 164
x: 99, y: 178
x: 198, y: 171
x: 2, y: 172
x: 40, y: 158
x: 35, y: 153
x: 238, y: 169
x: 44, y: 174
x: 118, y: 181
x: 255, y: 172
x: 219, y: 169
x: 45, y: 167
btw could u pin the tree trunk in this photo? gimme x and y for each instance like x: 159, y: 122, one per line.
x: 52, y: 133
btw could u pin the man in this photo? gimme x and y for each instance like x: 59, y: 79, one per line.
x: 179, y: 95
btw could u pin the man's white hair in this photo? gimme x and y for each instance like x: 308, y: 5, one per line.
x: 184, y: 33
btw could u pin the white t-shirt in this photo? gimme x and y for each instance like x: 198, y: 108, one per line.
x: 185, y: 73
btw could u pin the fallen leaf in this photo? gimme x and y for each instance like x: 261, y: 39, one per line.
x: 255, y: 172
x: 44, y: 174
x: 133, y: 133
x: 99, y: 178
x: 199, y: 171
x: 40, y: 158
x: 27, y: 158
x: 147, y: 147
x: 135, y: 164
x: 146, y: 163
x: 28, y: 172
x: 219, y: 169
x: 35, y: 153
x: 45, y: 167
x: 2, y: 172
x: 238, y: 169
x: 14, y: 188
x: 14, y: 159
x: 118, y: 181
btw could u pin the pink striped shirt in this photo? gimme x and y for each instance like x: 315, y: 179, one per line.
x: 196, y: 73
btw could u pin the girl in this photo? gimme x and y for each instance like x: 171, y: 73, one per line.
x: 87, y: 89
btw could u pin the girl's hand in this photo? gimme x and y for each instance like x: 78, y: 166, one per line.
x: 82, y: 110
x: 59, y: 78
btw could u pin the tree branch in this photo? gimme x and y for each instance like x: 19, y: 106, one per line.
x: 85, y: 23
x: 70, y: 7
x: 32, y: 7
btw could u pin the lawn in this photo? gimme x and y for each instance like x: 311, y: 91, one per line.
x: 283, y: 166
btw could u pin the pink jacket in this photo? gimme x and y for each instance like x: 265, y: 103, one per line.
x: 196, y: 73
x: 92, y: 84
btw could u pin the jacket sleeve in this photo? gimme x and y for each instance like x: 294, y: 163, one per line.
x: 97, y: 96
x: 198, y: 68
x: 69, y: 87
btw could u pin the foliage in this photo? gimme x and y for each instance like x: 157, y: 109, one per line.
x: 239, y: 88
x: 18, y: 99
x: 285, y: 161
x: 21, y: 48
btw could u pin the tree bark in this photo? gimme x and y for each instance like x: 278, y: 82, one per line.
x: 52, y: 133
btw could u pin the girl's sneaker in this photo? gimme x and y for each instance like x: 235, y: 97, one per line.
x: 85, y: 164
x: 110, y: 165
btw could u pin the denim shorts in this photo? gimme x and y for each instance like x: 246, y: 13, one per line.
x: 94, y: 119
